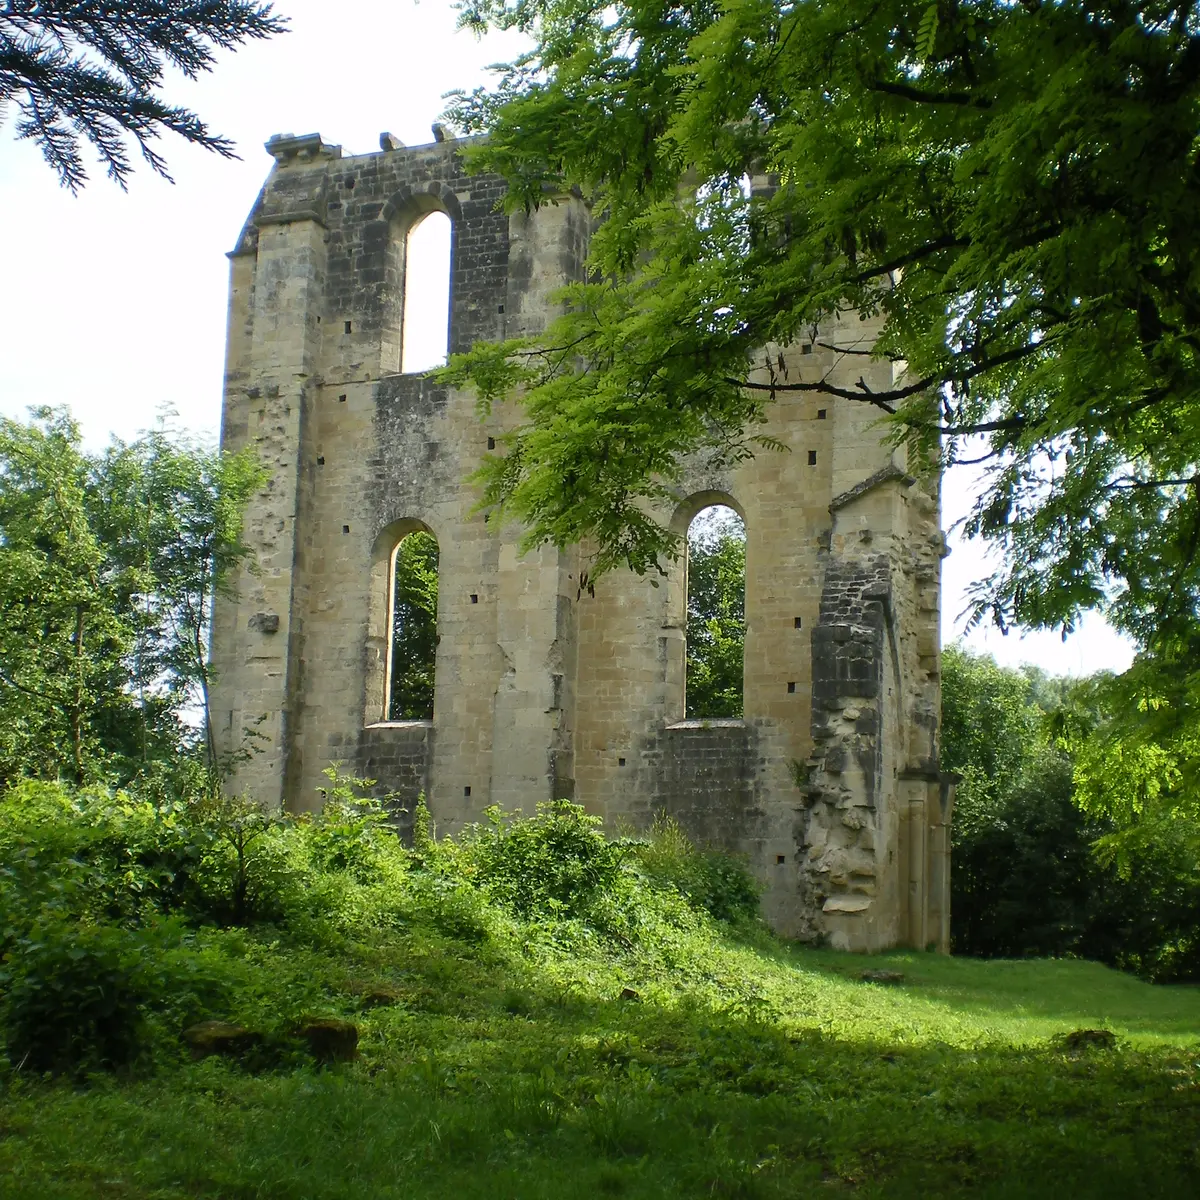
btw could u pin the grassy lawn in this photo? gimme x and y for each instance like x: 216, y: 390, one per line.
x: 507, y: 1065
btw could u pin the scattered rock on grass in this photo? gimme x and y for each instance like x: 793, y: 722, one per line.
x: 878, y: 976
x: 373, y: 993
x: 1090, y: 1039
x: 219, y: 1037
x: 380, y: 997
x: 629, y: 994
x: 330, y: 1039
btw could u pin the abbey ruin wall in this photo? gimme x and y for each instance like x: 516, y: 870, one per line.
x: 830, y: 782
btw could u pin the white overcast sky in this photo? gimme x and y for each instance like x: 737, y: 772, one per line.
x: 114, y: 303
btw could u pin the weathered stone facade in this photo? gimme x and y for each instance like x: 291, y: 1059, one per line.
x: 830, y: 785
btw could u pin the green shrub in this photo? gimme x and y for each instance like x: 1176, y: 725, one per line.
x: 447, y: 903
x: 352, y: 833
x: 717, y: 883
x: 94, y: 853
x: 252, y: 868
x: 123, y: 920
x: 75, y: 998
x: 556, y: 862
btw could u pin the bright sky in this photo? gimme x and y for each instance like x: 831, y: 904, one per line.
x: 114, y: 303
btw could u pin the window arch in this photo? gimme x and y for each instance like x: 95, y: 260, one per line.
x: 716, y: 613
x: 425, y: 321
x: 412, y: 627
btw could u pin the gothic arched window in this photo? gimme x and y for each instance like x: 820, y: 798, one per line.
x: 425, y: 333
x: 716, y: 613
x: 412, y: 647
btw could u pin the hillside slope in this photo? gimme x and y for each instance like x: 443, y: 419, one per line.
x: 517, y: 1045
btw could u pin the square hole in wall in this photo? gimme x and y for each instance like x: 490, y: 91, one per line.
x: 491, y: 443
x: 791, y: 686
x: 345, y: 528
x: 798, y: 622
x: 821, y: 412
x: 620, y: 762
x: 780, y: 859
x: 347, y: 326
x: 342, y: 398
x: 806, y: 348
x: 467, y: 790
x: 812, y: 458
x: 500, y: 308
x: 474, y: 597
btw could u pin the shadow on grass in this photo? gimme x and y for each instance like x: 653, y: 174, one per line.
x: 518, y: 1087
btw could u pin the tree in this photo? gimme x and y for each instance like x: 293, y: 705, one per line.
x: 172, y: 517
x: 62, y: 642
x: 108, y: 566
x: 716, y: 620
x: 94, y: 71
x: 1045, y: 861
x: 1135, y: 740
x: 1011, y: 188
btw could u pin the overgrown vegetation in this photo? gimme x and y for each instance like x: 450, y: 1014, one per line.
x: 540, y: 1011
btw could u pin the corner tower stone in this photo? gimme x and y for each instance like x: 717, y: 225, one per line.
x: 829, y: 785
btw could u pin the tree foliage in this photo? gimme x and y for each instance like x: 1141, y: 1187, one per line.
x: 1010, y: 188
x: 1046, y: 861
x: 109, y: 564
x: 716, y: 617
x: 94, y: 71
x: 1136, y: 751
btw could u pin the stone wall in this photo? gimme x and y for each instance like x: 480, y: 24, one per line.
x: 829, y: 785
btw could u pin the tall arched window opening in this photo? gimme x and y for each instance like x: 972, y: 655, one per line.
x: 425, y: 334
x: 716, y: 612
x: 413, y: 648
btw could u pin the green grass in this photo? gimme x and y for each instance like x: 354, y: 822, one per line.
x: 747, y: 1067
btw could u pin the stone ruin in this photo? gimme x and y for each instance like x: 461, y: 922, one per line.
x: 829, y: 786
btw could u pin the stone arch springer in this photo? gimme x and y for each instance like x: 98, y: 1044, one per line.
x: 406, y: 206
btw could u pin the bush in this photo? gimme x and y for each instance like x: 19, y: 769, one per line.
x: 717, y: 883
x: 554, y: 863
x: 74, y: 1000
x: 112, y: 856
x: 123, y: 920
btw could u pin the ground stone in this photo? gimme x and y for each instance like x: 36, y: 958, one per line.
x: 219, y: 1037
x: 330, y: 1039
x: 882, y: 977
x: 1090, y: 1039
